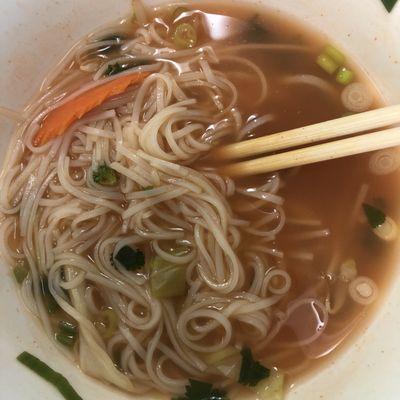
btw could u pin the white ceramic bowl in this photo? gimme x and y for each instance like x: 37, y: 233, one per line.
x: 35, y: 34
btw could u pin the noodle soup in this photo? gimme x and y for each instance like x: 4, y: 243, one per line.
x: 155, y: 272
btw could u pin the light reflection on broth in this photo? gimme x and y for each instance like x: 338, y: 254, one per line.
x: 170, y: 272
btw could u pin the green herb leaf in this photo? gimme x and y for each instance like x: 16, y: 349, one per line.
x: 114, y: 69
x: 51, y: 376
x: 197, y: 390
x: 118, y: 68
x: 375, y: 216
x: 105, y: 176
x: 131, y: 259
x: 389, y: 4
x: 251, y: 371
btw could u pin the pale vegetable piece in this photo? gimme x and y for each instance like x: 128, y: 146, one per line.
x: 363, y: 290
x: 387, y: 231
x: 226, y: 361
x: 348, y: 270
x: 357, y: 98
x: 385, y: 162
x: 271, y: 388
x: 214, y: 358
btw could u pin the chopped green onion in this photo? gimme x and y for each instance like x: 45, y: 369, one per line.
x: 52, y: 305
x: 105, y: 176
x: 178, y: 11
x: 335, y: 54
x: 67, y: 327
x: 51, y: 376
x: 185, y: 36
x: 130, y: 259
x: 65, y: 339
x: 327, y: 63
x: 226, y: 361
x: 251, y: 371
x: 106, y: 323
x: 344, y: 76
x: 166, y: 279
x: 21, y: 271
x: 374, y: 215
x: 148, y: 188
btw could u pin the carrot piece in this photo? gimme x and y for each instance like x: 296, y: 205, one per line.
x: 61, y: 118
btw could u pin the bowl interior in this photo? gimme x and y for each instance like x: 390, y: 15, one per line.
x: 35, y: 35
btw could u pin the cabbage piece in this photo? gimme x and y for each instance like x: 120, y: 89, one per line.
x: 93, y: 358
x: 271, y: 388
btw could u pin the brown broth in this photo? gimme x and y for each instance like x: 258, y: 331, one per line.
x: 326, y: 191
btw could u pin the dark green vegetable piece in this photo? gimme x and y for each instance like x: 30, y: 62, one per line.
x: 251, y: 371
x: 114, y: 69
x: 389, y: 4
x: 21, y: 271
x: 197, y: 390
x: 52, y: 305
x: 105, y: 176
x: 65, y: 339
x: 51, y: 376
x: 117, y: 68
x: 67, y: 327
x: 131, y: 259
x: 374, y: 215
x: 148, y: 188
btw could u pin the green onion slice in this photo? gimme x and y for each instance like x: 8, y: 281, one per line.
x: 51, y: 376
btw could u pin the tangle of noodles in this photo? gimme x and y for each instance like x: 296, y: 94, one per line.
x: 69, y: 228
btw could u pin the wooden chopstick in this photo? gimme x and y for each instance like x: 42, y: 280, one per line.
x: 312, y: 154
x: 345, y: 126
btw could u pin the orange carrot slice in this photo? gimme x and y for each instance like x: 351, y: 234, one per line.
x: 61, y: 118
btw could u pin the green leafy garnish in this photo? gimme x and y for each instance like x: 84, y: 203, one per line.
x: 105, y: 176
x: 197, y: 390
x: 118, y: 68
x: 374, y: 215
x: 389, y: 4
x: 114, y: 69
x: 131, y: 259
x: 251, y: 371
x: 48, y: 374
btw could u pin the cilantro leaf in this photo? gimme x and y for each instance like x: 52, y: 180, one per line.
x: 375, y: 216
x: 389, y: 4
x: 197, y: 390
x: 251, y: 371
